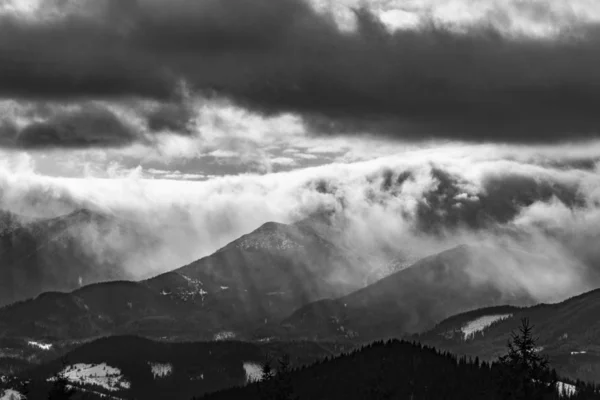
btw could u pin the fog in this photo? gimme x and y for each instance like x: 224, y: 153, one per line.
x: 535, y: 210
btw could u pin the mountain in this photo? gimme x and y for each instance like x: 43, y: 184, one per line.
x: 134, y: 367
x: 39, y: 255
x: 261, y: 277
x: 415, y: 298
x: 266, y: 274
x: 569, y: 333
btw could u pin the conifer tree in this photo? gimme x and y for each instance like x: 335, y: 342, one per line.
x: 284, y: 386
x: 277, y: 386
x: 524, y: 373
x: 60, y: 389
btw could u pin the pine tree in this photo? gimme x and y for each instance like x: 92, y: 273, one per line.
x: 525, y: 374
x: 283, y: 382
x: 61, y: 390
x: 267, y: 370
x: 277, y: 386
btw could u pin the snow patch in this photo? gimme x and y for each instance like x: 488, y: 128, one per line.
x: 11, y: 394
x: 160, y: 370
x: 481, y: 323
x: 566, y: 389
x: 225, y: 335
x: 193, y: 290
x: 197, y: 378
x: 39, y: 345
x: 101, y: 375
x: 253, y: 372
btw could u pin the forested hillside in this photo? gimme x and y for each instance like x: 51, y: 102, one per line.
x: 403, y: 370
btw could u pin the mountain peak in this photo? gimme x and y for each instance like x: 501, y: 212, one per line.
x: 271, y: 236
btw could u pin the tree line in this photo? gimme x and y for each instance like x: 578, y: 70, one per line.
x: 408, y: 370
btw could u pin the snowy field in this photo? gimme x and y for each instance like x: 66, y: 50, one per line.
x: 253, y: 372
x: 39, y: 345
x: 480, y: 324
x: 161, y: 370
x: 566, y: 389
x: 100, y: 375
x: 11, y: 395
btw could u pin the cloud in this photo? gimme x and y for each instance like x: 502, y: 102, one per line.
x: 86, y: 125
x: 284, y: 161
x: 177, y: 175
x: 305, y: 156
x: 484, y: 80
x: 413, y: 204
x: 223, y: 154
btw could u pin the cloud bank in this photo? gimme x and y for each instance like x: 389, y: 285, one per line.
x: 481, y: 80
x: 539, y: 200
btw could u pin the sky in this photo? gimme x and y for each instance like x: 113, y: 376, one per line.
x: 424, y: 123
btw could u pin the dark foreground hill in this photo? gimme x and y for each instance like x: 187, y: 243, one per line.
x: 391, y: 370
x: 569, y: 333
x: 136, y: 368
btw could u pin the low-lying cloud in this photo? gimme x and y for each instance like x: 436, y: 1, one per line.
x: 415, y: 203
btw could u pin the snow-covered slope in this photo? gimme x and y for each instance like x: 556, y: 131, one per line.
x: 11, y: 394
x: 101, y: 375
x: 161, y: 370
x: 253, y: 372
x: 566, y: 389
x: 39, y: 345
x: 479, y: 324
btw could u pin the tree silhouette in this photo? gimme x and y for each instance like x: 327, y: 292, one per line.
x: 61, y: 390
x: 524, y: 373
x: 267, y: 370
x: 283, y: 380
x: 277, y: 386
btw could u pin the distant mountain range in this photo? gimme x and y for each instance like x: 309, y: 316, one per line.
x: 568, y: 332
x: 284, y: 281
x: 281, y: 283
x: 257, y: 279
x: 413, y: 299
x: 39, y: 255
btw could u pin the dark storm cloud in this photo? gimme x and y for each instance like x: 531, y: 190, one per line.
x: 280, y: 56
x: 87, y: 126
x: 174, y: 117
